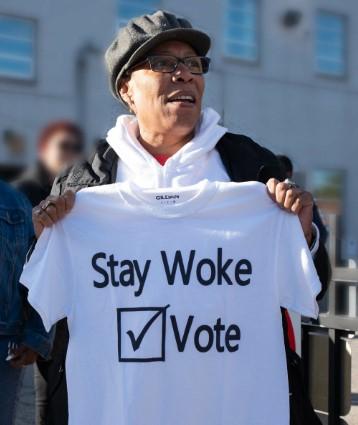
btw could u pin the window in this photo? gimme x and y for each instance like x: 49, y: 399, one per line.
x: 128, y: 9
x: 241, y: 39
x: 17, y: 39
x: 330, y: 44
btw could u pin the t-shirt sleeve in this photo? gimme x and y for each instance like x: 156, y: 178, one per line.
x: 296, y: 277
x: 48, y: 275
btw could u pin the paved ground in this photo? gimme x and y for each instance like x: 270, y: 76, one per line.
x: 26, y: 411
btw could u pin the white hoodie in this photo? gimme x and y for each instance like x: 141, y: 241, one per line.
x: 195, y: 161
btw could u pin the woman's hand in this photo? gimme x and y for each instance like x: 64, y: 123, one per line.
x: 23, y: 356
x: 294, y: 200
x: 51, y: 210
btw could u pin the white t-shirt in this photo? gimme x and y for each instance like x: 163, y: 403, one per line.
x: 173, y: 303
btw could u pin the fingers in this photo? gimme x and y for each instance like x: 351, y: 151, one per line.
x: 41, y: 216
x: 17, y: 362
x: 49, y: 207
x: 18, y: 354
x: 292, y: 199
x: 29, y: 357
x: 24, y: 356
x: 69, y: 198
x: 51, y: 210
x: 271, y: 188
x: 297, y: 206
x: 304, y: 200
x: 62, y: 205
x: 291, y: 196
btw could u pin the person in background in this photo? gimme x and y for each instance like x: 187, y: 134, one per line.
x: 287, y: 167
x: 60, y: 144
x: 22, y: 335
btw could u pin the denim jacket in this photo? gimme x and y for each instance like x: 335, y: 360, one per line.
x: 17, y: 317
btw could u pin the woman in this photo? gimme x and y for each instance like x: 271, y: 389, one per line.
x: 156, y: 66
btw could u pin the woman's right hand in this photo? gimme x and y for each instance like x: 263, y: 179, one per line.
x: 51, y: 210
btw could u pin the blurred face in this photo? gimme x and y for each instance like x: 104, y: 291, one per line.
x: 61, y: 150
x: 152, y: 96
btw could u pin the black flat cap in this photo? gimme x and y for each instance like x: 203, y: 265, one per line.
x: 142, y: 34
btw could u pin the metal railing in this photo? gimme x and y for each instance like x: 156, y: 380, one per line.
x: 334, y: 327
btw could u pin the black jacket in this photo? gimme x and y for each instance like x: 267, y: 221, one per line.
x: 35, y: 183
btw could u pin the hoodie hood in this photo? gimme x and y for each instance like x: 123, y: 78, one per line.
x: 195, y: 161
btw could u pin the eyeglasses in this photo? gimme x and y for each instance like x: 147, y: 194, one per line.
x: 164, y: 63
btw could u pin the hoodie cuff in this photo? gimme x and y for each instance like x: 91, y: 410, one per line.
x: 315, y: 243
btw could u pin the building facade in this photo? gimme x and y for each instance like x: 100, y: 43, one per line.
x: 283, y: 72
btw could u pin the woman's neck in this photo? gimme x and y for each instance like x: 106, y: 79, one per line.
x: 163, y: 144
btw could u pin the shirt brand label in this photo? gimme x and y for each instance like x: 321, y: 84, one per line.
x: 166, y: 197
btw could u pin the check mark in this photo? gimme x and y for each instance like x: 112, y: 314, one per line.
x: 133, y: 349
x: 137, y: 341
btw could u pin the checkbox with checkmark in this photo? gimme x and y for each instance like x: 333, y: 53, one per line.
x: 141, y: 334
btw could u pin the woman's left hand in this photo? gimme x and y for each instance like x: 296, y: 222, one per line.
x: 294, y: 200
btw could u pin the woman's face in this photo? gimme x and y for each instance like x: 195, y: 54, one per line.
x: 150, y: 94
